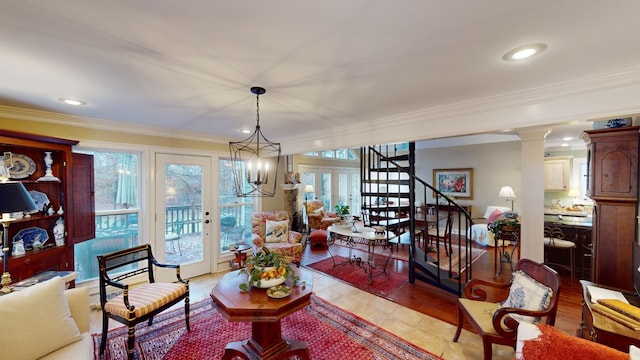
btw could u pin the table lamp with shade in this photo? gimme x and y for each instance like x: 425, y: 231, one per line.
x: 308, y: 189
x: 574, y: 193
x: 508, y: 194
x: 13, y: 198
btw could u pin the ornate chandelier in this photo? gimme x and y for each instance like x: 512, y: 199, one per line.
x: 255, y: 160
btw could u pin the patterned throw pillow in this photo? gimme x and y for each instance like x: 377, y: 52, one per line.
x: 277, y: 231
x: 527, y: 293
x: 494, y: 215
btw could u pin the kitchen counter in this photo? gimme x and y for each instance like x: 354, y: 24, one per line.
x: 565, y: 211
x: 568, y: 220
x: 566, y: 216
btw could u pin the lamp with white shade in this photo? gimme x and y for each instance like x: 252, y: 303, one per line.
x: 308, y: 189
x: 574, y: 193
x: 15, y: 198
x: 508, y: 194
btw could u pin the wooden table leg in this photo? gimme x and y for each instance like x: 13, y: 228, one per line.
x: 266, y: 343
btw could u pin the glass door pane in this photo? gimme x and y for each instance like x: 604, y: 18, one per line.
x: 349, y: 189
x: 235, y: 211
x: 183, y: 215
x: 324, y: 191
x: 355, y: 201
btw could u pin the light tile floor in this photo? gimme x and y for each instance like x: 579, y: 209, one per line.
x: 424, y: 331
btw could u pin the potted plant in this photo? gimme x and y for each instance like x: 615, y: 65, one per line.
x: 267, y: 268
x: 342, y: 211
x: 503, y: 225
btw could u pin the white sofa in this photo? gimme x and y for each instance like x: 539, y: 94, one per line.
x: 45, y: 321
x: 479, y: 232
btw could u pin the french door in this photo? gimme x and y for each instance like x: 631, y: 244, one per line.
x: 183, y: 212
x: 333, y: 185
x: 349, y: 189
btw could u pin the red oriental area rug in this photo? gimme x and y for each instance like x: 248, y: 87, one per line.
x: 400, y: 253
x: 355, y: 275
x: 330, y: 332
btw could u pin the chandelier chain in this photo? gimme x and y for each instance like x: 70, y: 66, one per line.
x: 258, y: 110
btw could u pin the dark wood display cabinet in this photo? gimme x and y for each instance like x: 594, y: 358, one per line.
x: 613, y: 186
x: 70, y: 197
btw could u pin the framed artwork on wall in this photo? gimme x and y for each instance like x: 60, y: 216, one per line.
x: 457, y: 183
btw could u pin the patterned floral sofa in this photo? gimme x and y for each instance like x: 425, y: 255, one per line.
x: 318, y: 217
x: 277, y: 236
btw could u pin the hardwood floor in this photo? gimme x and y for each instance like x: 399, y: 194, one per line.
x: 440, y: 304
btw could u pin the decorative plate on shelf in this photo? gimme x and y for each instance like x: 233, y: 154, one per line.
x: 279, y: 291
x: 21, y: 167
x: 29, y: 235
x: 41, y: 199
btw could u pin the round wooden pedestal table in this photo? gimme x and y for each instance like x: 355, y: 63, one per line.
x: 264, y: 313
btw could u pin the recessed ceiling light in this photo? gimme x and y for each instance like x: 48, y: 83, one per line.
x: 74, y: 102
x: 246, y: 131
x: 568, y: 138
x: 524, y: 52
x: 565, y: 144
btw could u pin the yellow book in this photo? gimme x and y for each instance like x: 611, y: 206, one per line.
x: 616, y: 316
x: 621, y: 307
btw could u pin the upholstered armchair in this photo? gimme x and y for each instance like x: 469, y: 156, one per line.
x: 533, y: 297
x: 271, y: 229
x: 318, y: 217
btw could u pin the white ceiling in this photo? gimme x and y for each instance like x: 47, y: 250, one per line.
x: 334, y: 70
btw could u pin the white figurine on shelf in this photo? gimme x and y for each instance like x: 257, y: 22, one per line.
x: 18, y: 248
x: 50, y: 211
x: 60, y: 211
x: 48, y: 161
x: 58, y: 232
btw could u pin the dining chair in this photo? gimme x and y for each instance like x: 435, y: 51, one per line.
x: 140, y: 303
x: 442, y: 235
x: 173, y: 235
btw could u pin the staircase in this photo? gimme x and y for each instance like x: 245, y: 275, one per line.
x: 389, y: 190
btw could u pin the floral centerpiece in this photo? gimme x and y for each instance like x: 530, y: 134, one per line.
x: 267, y: 268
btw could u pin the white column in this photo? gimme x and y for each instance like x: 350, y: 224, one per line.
x: 532, y: 194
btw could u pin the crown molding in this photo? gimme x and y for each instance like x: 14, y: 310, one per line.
x: 48, y: 117
x: 575, y: 100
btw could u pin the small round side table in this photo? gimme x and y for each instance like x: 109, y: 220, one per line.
x: 241, y: 254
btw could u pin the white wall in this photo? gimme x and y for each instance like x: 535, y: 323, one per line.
x: 494, y: 165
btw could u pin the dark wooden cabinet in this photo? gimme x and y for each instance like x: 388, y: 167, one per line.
x: 81, y: 200
x: 70, y: 198
x: 613, y: 163
x: 613, y: 186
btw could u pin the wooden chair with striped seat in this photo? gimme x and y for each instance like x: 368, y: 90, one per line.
x: 137, y: 303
